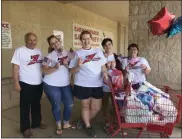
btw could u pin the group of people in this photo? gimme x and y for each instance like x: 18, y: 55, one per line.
x: 34, y: 74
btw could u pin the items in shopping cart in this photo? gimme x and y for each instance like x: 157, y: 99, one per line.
x: 148, y: 107
x: 150, y: 86
x: 135, y: 111
x: 166, y: 108
x: 146, y: 99
x: 131, y: 112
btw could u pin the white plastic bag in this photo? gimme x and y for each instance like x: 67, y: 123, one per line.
x: 136, y: 111
x: 166, y: 108
x: 156, y: 89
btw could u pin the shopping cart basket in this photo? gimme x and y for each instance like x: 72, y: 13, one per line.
x: 120, y: 107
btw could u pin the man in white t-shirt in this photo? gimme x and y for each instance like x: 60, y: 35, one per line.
x: 27, y: 73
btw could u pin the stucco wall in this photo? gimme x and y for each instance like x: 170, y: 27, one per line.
x: 164, y: 55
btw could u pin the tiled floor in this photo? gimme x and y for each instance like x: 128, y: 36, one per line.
x: 10, y: 124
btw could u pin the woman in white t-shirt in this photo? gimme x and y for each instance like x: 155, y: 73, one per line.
x: 139, y: 66
x: 89, y: 68
x: 56, y: 83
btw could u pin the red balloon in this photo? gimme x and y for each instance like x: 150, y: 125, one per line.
x: 161, y: 22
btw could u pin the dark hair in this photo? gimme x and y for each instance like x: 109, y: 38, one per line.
x: 105, y: 41
x: 29, y: 34
x: 132, y: 46
x: 85, y: 32
x: 48, y: 40
x: 50, y: 37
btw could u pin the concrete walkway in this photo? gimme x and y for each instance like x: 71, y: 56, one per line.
x: 10, y: 125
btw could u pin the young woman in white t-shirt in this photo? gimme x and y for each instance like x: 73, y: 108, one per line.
x: 139, y: 66
x: 56, y: 83
x: 89, y: 68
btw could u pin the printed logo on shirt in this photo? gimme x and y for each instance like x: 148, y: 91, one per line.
x: 34, y: 59
x: 133, y: 62
x: 132, y: 65
x: 91, y: 58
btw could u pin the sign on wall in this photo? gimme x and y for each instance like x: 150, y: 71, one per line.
x: 59, y: 35
x: 6, y: 35
x: 97, y: 35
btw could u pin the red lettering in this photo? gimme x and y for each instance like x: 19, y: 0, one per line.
x: 34, y: 59
x: 79, y: 29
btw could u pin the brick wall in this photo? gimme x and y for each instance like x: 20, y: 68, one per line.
x: 164, y: 55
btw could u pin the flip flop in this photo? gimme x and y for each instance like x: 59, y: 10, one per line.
x: 59, y: 132
x: 71, y: 127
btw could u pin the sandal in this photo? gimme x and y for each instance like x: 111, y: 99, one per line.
x: 58, y: 131
x: 70, y: 127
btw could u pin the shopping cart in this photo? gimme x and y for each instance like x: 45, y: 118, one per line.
x: 120, y: 124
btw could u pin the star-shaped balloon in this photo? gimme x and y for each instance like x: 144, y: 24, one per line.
x: 161, y: 22
x: 176, y: 27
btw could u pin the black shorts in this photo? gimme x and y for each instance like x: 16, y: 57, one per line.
x: 88, y: 92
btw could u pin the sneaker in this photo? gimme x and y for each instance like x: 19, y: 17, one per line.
x: 90, y: 132
x: 80, y: 124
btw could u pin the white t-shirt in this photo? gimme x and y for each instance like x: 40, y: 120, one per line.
x: 139, y: 75
x: 30, y: 67
x: 109, y: 58
x: 90, y: 74
x: 60, y: 77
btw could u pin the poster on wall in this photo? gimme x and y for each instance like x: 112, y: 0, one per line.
x: 6, y: 35
x: 97, y: 35
x: 59, y: 35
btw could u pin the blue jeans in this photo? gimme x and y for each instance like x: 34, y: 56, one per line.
x: 56, y: 95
